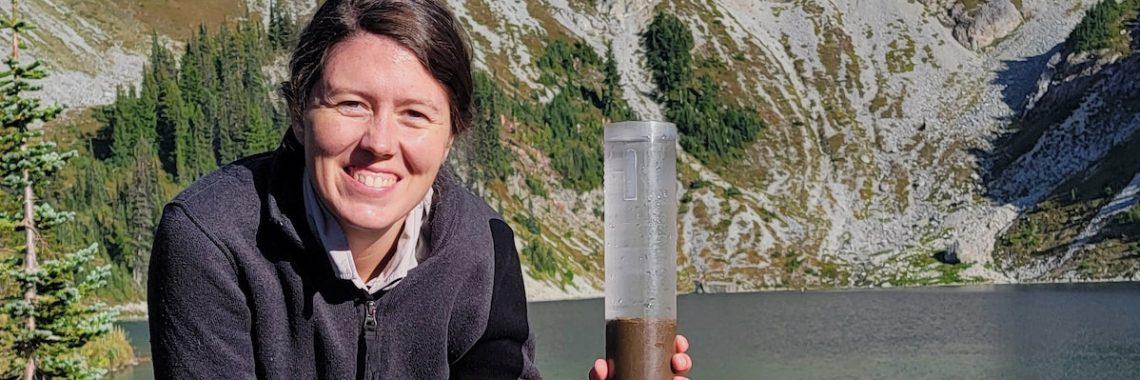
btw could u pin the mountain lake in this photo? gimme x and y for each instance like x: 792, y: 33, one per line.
x: 1049, y: 331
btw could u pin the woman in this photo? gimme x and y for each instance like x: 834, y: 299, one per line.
x: 348, y: 252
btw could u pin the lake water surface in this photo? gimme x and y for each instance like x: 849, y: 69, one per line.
x: 1080, y: 331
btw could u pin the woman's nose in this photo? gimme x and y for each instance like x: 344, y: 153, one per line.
x: 380, y: 138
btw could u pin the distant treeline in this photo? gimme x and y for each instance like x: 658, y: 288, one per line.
x: 191, y: 114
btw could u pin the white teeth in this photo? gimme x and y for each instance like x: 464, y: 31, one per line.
x: 373, y: 181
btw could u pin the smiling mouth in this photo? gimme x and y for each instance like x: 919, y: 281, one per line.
x: 373, y: 180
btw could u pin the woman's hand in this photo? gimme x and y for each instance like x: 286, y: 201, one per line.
x: 682, y: 363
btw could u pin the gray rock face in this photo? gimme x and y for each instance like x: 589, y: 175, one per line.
x: 992, y: 21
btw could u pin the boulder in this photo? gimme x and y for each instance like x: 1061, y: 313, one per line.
x: 990, y: 22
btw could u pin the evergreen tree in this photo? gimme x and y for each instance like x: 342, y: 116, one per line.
x: 668, y: 43
x: 614, y: 107
x: 259, y: 132
x: 198, y: 81
x: 173, y: 131
x: 281, y: 26
x: 228, y: 122
x: 52, y: 317
x: 490, y: 159
x: 195, y: 84
x: 141, y: 212
x: 121, y: 118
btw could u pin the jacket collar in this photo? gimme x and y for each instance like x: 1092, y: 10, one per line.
x: 284, y: 204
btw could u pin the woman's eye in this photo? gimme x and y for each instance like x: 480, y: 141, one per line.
x: 351, y: 106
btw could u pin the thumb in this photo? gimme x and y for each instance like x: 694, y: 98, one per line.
x: 600, y: 371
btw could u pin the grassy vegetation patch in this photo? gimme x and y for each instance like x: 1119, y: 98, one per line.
x: 554, y: 262
x: 105, y: 24
x: 833, y: 274
x: 178, y: 18
x: 900, y: 55
x: 535, y: 185
x: 879, y: 102
x: 584, y: 6
x: 928, y: 57
x: 922, y: 269
x: 554, y: 29
x: 902, y: 186
x: 481, y: 12
x: 971, y: 6
x: 1076, y: 7
x: 833, y: 147
x: 836, y: 48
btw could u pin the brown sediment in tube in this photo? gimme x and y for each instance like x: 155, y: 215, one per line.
x: 639, y: 348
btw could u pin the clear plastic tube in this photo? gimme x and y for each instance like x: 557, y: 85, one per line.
x: 641, y: 248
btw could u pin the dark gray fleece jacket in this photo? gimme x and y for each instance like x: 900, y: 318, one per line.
x: 240, y: 288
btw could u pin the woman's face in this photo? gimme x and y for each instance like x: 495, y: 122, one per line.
x: 376, y: 130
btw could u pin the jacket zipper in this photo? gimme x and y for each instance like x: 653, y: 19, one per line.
x: 370, y: 314
x: 367, y: 335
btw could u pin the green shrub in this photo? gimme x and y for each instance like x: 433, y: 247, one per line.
x: 792, y: 264
x: 1130, y: 216
x: 541, y: 259
x: 1023, y: 236
x: 111, y: 351
x: 686, y: 198
x: 529, y: 222
x: 535, y: 185
x: 1102, y: 25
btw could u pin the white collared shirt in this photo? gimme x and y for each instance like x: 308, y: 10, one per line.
x: 411, y: 247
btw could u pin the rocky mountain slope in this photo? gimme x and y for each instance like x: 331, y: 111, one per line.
x: 893, y: 130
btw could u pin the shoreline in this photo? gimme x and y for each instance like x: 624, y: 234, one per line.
x: 882, y: 288
x: 138, y: 360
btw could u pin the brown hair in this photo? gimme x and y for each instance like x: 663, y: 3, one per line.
x: 426, y: 27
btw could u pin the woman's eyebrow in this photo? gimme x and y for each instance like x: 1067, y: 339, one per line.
x: 331, y: 89
x: 414, y: 101
x: 324, y: 92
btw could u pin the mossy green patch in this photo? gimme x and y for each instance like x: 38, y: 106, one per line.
x: 900, y: 55
x: 481, y: 12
